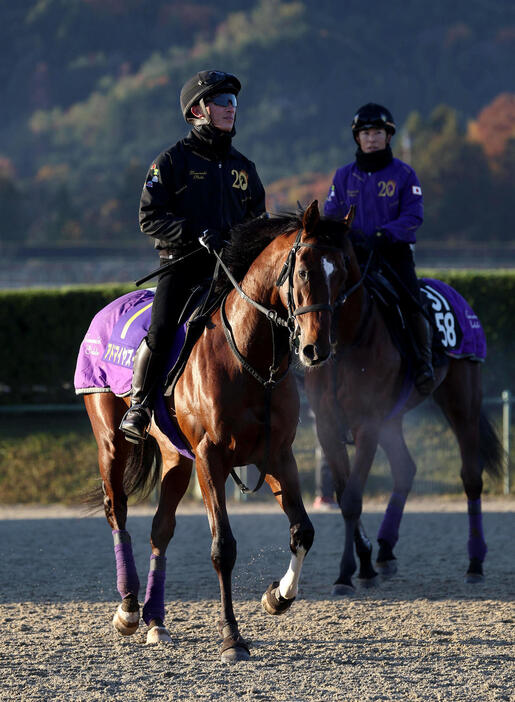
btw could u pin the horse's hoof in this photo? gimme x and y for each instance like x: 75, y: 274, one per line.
x: 234, y: 655
x: 126, y: 623
x: 273, y: 602
x: 474, y: 573
x: 158, y: 634
x: 366, y: 583
x: 234, y: 649
x: 386, y: 568
x: 342, y: 590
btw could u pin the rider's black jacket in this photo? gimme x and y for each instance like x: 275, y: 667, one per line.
x: 198, y: 184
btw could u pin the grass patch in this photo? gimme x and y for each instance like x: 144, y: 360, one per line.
x: 52, y: 458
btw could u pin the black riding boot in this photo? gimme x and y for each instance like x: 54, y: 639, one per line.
x: 147, y: 367
x: 424, y: 373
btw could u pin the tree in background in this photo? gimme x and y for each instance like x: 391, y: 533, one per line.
x: 13, y: 212
x: 455, y: 177
x: 494, y: 130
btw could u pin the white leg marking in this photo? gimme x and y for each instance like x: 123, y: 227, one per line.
x: 288, y: 586
x: 158, y: 634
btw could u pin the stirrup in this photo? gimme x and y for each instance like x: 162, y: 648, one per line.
x: 133, y: 431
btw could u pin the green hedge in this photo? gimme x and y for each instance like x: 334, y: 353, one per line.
x: 42, y: 331
x: 41, y: 334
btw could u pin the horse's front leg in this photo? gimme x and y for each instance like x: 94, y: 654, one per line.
x: 105, y: 411
x: 174, y: 483
x: 284, y: 483
x: 211, y: 477
x: 351, y: 503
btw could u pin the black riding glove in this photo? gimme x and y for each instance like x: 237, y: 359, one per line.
x: 380, y: 241
x: 211, y: 239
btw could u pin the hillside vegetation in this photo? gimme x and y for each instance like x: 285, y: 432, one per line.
x: 91, y: 96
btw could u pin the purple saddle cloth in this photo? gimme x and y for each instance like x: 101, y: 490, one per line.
x: 106, y: 355
x: 461, y: 333
x: 460, y: 330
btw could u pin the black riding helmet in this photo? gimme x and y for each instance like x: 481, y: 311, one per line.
x: 372, y: 115
x: 201, y: 86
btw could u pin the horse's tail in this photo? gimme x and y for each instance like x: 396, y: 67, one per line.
x: 491, y: 452
x: 143, y: 469
x: 141, y: 475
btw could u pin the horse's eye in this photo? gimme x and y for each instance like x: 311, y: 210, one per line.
x: 303, y: 274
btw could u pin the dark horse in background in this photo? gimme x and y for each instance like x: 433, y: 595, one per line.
x: 359, y: 391
x: 291, y: 270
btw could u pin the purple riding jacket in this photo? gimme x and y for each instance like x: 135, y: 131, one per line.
x: 389, y: 200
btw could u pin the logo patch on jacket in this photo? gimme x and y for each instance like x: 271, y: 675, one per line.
x: 416, y: 190
x: 198, y: 175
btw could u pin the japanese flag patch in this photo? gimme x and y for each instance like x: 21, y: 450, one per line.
x: 416, y: 190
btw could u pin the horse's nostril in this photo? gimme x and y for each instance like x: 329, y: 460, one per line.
x: 310, y: 352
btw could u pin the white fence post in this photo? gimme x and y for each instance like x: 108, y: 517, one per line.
x: 506, y: 426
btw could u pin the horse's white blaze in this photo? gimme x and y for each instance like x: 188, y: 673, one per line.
x: 289, y: 584
x: 328, y: 267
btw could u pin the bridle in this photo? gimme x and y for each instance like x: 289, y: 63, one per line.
x: 345, y: 294
x: 287, y: 273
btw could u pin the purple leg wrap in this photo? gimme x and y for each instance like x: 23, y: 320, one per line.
x: 154, y: 607
x: 389, y: 529
x: 476, y: 544
x: 127, y: 580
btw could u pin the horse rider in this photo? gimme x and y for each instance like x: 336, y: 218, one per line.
x: 194, y: 192
x: 389, y: 210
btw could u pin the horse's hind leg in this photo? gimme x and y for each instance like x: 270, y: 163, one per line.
x: 460, y: 397
x: 174, y: 483
x: 403, y: 470
x: 284, y: 483
x: 105, y: 412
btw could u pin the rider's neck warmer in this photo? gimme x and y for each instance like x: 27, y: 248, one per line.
x: 214, y: 139
x: 375, y: 161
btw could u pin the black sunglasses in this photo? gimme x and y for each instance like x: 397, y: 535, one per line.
x: 223, y: 99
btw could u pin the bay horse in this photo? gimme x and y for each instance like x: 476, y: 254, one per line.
x: 291, y: 269
x: 359, y: 391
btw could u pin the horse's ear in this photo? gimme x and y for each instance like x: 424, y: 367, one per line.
x: 349, y: 217
x: 311, y: 217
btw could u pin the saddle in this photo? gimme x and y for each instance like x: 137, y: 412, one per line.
x: 384, y: 289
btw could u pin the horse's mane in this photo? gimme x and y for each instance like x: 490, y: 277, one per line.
x: 249, y: 239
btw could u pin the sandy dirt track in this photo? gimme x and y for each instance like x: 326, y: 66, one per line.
x: 424, y: 635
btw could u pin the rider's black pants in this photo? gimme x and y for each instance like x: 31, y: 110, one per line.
x: 400, y: 258
x: 173, y: 289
